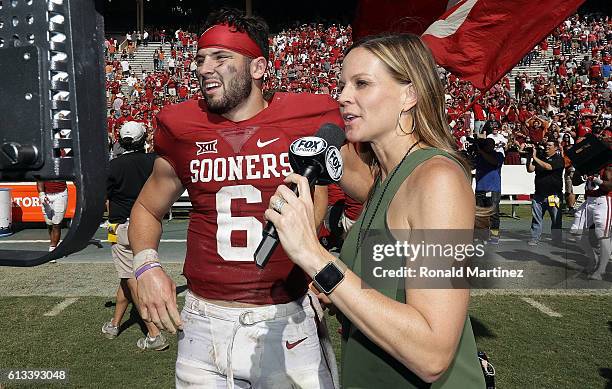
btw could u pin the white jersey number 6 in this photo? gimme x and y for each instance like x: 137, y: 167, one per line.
x: 226, y: 223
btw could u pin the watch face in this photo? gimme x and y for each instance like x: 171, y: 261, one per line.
x: 329, y: 277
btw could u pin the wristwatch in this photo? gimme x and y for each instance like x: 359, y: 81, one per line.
x: 330, y: 276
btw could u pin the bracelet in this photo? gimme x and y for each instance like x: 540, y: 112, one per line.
x: 144, y: 264
x: 145, y: 256
x: 146, y: 267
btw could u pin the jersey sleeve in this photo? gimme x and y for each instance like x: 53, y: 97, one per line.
x: 331, y: 113
x: 165, y: 141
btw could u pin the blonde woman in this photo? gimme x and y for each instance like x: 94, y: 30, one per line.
x: 392, y: 104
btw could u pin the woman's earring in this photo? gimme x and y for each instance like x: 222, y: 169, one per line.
x: 399, y: 122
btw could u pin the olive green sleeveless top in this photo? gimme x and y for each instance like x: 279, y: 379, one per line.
x: 364, y: 364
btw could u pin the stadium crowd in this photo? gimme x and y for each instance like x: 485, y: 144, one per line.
x: 569, y: 98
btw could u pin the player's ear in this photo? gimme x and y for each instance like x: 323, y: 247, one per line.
x: 258, y: 68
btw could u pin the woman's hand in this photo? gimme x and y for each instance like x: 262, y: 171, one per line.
x: 295, y: 225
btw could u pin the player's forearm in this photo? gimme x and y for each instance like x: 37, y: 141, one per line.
x: 145, y: 229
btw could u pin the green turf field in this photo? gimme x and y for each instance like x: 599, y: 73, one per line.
x: 527, y: 347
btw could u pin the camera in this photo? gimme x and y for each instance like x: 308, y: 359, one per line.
x: 472, y: 147
x: 540, y: 151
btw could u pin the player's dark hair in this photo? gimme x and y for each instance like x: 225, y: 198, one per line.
x: 256, y: 28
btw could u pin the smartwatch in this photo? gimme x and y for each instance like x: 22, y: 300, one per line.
x: 328, y: 278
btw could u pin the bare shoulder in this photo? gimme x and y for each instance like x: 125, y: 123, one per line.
x: 436, y: 195
x: 438, y: 171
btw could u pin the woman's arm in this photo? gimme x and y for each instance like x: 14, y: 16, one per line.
x: 422, y: 334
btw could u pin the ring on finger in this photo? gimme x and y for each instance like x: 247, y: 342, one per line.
x: 278, y: 203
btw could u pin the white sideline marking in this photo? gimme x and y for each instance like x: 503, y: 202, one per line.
x: 56, y: 310
x: 541, y: 307
x: 2, y: 241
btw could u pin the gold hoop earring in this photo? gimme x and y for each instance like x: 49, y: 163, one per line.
x: 399, y: 122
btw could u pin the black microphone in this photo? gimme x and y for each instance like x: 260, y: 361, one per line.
x: 318, y: 159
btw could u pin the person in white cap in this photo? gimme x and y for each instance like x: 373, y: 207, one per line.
x: 127, y: 175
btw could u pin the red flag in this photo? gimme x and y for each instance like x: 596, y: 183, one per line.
x: 378, y: 16
x: 481, y: 40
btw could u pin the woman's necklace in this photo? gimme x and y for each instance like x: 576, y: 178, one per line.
x: 389, y: 179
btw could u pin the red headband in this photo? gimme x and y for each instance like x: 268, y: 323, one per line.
x: 225, y: 37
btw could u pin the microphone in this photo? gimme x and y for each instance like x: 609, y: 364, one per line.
x: 318, y: 159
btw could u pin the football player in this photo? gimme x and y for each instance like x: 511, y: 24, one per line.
x: 241, y: 326
x: 597, y: 211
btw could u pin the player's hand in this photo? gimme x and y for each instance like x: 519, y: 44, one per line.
x: 157, y: 295
x: 43, y: 198
x: 325, y: 302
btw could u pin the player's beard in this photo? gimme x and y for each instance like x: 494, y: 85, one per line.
x: 237, y: 90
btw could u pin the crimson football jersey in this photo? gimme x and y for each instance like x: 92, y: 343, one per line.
x: 55, y: 186
x: 230, y: 171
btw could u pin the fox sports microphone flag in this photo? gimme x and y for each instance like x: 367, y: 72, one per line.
x: 481, y: 40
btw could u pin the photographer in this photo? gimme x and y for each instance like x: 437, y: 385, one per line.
x: 488, y: 182
x: 548, y: 168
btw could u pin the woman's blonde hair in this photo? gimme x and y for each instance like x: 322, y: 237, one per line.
x: 409, y: 61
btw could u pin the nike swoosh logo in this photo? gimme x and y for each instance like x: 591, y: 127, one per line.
x: 292, y: 345
x: 263, y: 144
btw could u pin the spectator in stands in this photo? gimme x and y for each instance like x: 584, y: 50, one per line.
x: 131, y: 82
x: 499, y: 139
x: 171, y: 65
x: 548, y: 168
x: 479, y: 118
x: 156, y: 60
x: 490, y: 124
x: 118, y: 103
x: 537, y: 128
x: 488, y: 183
x: 125, y: 67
